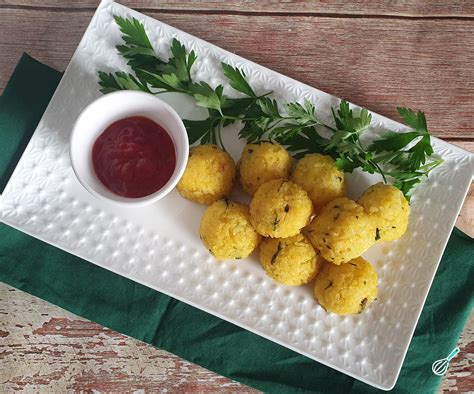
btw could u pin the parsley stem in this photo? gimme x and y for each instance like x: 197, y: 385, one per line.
x: 387, y: 158
x: 422, y: 171
x: 379, y: 170
x: 277, y: 123
x: 242, y: 119
x: 327, y: 127
x: 221, y: 143
x: 264, y: 95
x: 433, y: 164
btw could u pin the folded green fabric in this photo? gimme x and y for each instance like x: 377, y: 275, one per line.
x: 123, y: 305
x: 26, y: 98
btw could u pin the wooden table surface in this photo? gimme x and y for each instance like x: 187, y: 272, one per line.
x: 378, y: 54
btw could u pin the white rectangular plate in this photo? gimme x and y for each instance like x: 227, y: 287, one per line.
x: 159, y: 245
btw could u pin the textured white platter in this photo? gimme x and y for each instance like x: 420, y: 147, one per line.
x: 158, y: 245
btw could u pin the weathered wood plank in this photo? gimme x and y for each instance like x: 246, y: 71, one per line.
x: 376, y: 63
x: 44, y: 348
x: 407, y: 8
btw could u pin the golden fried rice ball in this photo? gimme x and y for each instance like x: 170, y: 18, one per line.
x: 280, y: 209
x: 209, y: 175
x: 348, y: 288
x: 262, y: 162
x: 322, y: 180
x: 342, y: 231
x: 291, y: 261
x: 226, y: 230
x: 389, y: 208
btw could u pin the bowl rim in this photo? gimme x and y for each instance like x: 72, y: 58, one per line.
x: 181, y: 159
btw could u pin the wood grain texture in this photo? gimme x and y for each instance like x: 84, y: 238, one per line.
x: 377, y: 54
x: 375, y: 63
x: 44, y: 348
x: 405, y: 8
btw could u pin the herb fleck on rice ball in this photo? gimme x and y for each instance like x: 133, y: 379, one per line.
x: 262, y: 162
x: 347, y: 288
x: 342, y: 231
x: 290, y: 261
x: 209, y: 175
x: 389, y: 209
x: 280, y: 209
x: 226, y: 230
x: 322, y: 180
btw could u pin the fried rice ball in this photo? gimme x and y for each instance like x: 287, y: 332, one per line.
x: 342, y: 231
x: 280, y: 209
x: 262, y: 162
x: 348, y: 288
x: 389, y: 208
x: 209, y: 175
x: 291, y: 261
x: 226, y: 230
x: 322, y: 180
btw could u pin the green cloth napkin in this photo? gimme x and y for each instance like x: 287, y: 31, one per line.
x: 135, y: 310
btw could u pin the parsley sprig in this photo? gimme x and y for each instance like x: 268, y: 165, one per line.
x: 404, y: 158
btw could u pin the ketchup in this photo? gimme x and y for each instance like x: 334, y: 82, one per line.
x: 134, y: 157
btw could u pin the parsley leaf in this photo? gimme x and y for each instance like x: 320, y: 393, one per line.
x: 396, y: 145
x: 391, y: 141
x: 195, y: 130
x: 137, y: 49
x: 412, y: 119
x: 268, y: 107
x: 237, y: 79
x: 162, y: 82
x: 346, y: 120
x: 179, y: 64
x: 119, y: 81
x: 233, y: 108
x: 209, y: 98
x: 133, y: 32
x: 302, y: 114
x: 305, y: 142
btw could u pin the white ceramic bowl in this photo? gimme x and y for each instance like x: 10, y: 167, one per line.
x: 98, y: 115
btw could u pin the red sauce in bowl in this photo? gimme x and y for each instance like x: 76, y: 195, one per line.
x: 134, y: 157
